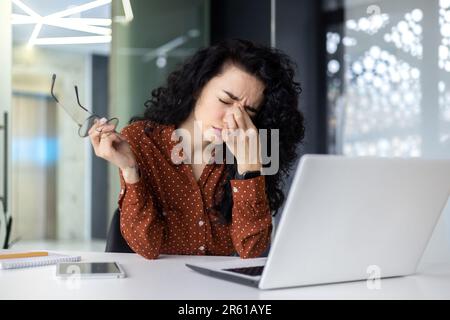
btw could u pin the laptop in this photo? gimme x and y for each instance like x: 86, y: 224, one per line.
x: 348, y: 219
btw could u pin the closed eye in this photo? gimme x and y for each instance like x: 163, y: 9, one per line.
x: 224, y: 101
x: 251, y: 111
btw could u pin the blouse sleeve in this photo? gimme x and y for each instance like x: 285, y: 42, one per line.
x: 140, y: 225
x: 251, y: 224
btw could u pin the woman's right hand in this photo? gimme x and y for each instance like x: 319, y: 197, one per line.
x: 113, y: 147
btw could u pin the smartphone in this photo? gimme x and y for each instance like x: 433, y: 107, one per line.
x: 89, y: 270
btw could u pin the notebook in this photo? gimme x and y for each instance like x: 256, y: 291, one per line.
x: 52, y: 258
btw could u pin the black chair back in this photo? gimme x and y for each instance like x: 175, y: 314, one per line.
x: 114, y: 241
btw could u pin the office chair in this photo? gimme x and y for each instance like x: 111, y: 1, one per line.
x: 114, y: 240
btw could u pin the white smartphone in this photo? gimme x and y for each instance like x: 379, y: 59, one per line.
x: 89, y: 270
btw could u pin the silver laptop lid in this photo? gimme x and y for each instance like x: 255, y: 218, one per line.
x: 347, y: 217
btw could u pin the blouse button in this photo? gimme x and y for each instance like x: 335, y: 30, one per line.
x: 164, y: 213
x: 201, y: 222
x: 235, y: 189
x: 201, y: 248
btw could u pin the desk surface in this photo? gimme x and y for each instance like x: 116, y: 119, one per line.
x: 168, y: 278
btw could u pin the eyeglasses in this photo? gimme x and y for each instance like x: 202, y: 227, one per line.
x: 82, y: 116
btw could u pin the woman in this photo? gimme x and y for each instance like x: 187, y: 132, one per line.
x: 206, y: 207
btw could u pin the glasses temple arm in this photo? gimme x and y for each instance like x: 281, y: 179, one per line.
x: 78, y: 100
x: 53, y: 85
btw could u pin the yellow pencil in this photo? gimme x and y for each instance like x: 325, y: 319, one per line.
x: 23, y: 255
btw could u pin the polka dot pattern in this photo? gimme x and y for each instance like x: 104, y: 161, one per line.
x: 169, y: 212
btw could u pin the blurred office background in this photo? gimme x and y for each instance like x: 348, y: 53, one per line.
x: 375, y: 78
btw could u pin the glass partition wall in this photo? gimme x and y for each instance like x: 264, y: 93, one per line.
x: 116, y: 52
x: 160, y: 37
x: 388, y: 84
x: 50, y: 164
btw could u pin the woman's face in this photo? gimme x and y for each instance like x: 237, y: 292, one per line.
x: 231, y: 88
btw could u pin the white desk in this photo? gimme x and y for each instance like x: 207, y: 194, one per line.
x: 168, y: 278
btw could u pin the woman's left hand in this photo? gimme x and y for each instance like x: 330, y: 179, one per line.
x: 242, y: 138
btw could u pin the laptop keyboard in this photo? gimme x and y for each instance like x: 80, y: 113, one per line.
x: 249, y: 271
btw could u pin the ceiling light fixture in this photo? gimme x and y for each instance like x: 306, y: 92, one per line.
x: 97, y: 27
x: 73, y: 40
x: 161, y: 52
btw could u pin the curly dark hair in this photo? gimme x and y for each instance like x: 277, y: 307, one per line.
x: 174, y: 102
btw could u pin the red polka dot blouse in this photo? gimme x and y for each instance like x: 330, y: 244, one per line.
x: 169, y: 212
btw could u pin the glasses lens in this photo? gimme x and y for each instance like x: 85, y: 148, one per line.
x: 113, y: 121
x: 87, y: 125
